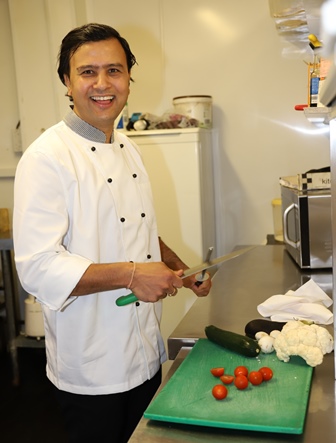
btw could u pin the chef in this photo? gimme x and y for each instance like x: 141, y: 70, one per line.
x: 85, y: 234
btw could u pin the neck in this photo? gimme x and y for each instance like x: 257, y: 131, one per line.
x: 109, y: 137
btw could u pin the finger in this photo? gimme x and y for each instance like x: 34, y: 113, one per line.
x: 173, y: 293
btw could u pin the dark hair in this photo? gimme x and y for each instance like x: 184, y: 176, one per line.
x: 92, y: 32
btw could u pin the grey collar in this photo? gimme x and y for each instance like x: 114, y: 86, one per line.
x: 83, y: 128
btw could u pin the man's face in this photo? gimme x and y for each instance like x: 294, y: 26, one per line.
x: 99, y: 83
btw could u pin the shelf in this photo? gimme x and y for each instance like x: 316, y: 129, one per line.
x: 22, y: 341
x: 318, y: 115
x: 7, y: 172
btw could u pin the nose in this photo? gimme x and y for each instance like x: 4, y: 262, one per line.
x: 102, y: 81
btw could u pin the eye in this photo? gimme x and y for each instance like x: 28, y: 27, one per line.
x: 114, y: 71
x: 87, y: 72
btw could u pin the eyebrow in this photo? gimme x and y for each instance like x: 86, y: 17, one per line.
x: 110, y: 65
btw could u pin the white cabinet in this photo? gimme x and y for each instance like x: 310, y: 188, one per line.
x: 179, y: 164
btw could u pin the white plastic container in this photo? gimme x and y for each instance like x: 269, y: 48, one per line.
x: 277, y: 219
x: 34, y: 325
x: 195, y: 106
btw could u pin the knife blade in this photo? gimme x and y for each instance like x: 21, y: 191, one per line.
x: 131, y: 298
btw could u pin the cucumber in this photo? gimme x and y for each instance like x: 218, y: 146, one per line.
x: 234, y: 342
x: 264, y: 325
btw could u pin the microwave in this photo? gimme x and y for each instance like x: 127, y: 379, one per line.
x: 306, y: 218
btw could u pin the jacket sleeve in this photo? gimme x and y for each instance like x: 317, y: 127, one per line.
x: 45, y: 267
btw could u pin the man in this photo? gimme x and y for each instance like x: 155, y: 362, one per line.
x: 85, y: 234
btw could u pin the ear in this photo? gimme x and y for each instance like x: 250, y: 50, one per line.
x: 67, y: 83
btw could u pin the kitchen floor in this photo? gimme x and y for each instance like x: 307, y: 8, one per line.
x: 29, y: 412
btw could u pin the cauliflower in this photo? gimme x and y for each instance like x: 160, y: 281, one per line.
x: 309, y: 341
x: 266, y: 343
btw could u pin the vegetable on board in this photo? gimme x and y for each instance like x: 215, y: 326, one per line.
x: 309, y: 341
x: 234, y: 342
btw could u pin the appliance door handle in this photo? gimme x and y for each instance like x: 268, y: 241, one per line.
x: 285, y: 226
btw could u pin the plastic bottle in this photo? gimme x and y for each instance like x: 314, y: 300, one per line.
x: 314, y: 83
x: 125, y: 115
x: 123, y: 118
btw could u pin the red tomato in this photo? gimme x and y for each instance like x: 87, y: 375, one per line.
x: 266, y: 372
x: 227, y: 379
x: 255, y: 377
x: 217, y: 372
x: 241, y: 382
x: 241, y: 370
x: 219, y: 392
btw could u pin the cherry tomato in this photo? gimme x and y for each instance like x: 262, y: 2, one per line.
x: 255, y: 377
x: 227, y: 379
x: 219, y: 392
x: 241, y: 382
x: 241, y: 370
x: 266, y: 372
x: 217, y: 372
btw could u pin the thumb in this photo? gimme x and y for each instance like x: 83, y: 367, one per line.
x: 179, y: 273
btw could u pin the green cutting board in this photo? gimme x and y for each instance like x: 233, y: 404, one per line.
x: 278, y: 405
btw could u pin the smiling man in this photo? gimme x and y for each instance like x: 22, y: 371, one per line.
x: 98, y: 83
x: 85, y: 234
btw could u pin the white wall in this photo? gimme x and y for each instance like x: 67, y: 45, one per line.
x: 9, y: 111
x: 220, y: 48
x: 229, y: 50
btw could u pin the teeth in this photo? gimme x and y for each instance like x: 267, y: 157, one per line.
x: 107, y: 97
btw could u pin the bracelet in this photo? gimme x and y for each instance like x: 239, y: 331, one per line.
x: 132, y: 276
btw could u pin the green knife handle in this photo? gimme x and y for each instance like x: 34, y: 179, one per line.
x: 126, y: 299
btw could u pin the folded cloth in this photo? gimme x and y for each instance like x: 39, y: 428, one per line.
x: 309, y: 302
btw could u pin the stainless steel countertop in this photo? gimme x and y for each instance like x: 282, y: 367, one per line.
x: 238, y: 287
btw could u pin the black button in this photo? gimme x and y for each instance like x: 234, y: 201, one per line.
x: 93, y: 148
x: 121, y: 145
x: 149, y: 256
x: 134, y: 176
x: 109, y: 180
x: 137, y: 303
x: 122, y: 219
x: 143, y: 214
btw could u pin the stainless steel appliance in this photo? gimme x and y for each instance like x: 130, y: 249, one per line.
x: 307, y: 226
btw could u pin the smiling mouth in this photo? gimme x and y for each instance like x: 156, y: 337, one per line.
x: 105, y: 98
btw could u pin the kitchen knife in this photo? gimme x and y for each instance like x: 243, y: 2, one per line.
x: 131, y: 298
x: 201, y: 277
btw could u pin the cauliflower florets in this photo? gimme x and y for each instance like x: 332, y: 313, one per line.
x: 325, y: 339
x: 310, y: 342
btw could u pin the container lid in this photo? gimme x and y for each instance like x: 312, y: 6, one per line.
x: 193, y: 96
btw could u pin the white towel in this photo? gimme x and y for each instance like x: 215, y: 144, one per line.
x: 309, y: 302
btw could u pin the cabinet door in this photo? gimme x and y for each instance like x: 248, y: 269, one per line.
x: 179, y: 166
x: 174, y: 174
x: 173, y: 171
x: 180, y: 169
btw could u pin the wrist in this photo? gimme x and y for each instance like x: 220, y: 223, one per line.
x: 132, y: 275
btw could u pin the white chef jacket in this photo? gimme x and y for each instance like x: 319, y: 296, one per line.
x: 79, y: 201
